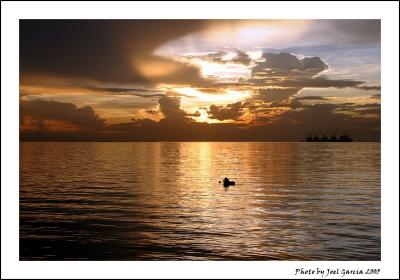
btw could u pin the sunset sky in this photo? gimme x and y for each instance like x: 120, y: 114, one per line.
x: 199, y: 80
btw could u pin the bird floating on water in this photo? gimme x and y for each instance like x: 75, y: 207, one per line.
x: 227, y: 182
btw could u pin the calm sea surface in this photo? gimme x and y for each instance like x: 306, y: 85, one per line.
x: 162, y: 201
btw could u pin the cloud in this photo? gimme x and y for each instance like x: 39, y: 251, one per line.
x: 241, y: 57
x: 310, y: 98
x: 195, y: 114
x: 283, y: 75
x: 278, y: 76
x: 119, y: 58
x: 145, y: 93
x: 118, y: 90
x: 324, y: 117
x: 123, y: 51
x: 369, y: 87
x: 159, y: 69
x: 286, y: 103
x: 372, y: 111
x: 112, y: 51
x: 124, y: 104
x: 153, y: 112
x: 364, y: 109
x: 367, y: 105
x: 376, y: 96
x: 149, y: 95
x: 319, y: 82
x: 291, y: 125
x: 216, y: 57
x: 360, y: 109
x: 236, y: 56
x: 275, y: 94
x: 288, y: 65
x: 41, y: 114
x: 170, y: 107
x: 229, y: 112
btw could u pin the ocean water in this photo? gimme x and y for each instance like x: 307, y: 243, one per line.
x: 163, y: 201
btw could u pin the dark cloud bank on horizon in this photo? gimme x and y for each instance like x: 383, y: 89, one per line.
x: 177, y: 126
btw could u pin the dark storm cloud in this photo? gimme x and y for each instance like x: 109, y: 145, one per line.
x: 292, y: 74
x: 41, y: 110
x: 229, y: 112
x: 102, y: 50
x: 288, y: 65
x: 279, y: 76
x: 170, y: 107
x: 284, y: 75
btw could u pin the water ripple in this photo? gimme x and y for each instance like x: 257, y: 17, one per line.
x: 162, y: 201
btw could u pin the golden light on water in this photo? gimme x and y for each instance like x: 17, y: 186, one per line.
x: 169, y: 197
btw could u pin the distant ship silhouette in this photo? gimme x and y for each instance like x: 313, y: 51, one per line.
x: 320, y: 137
